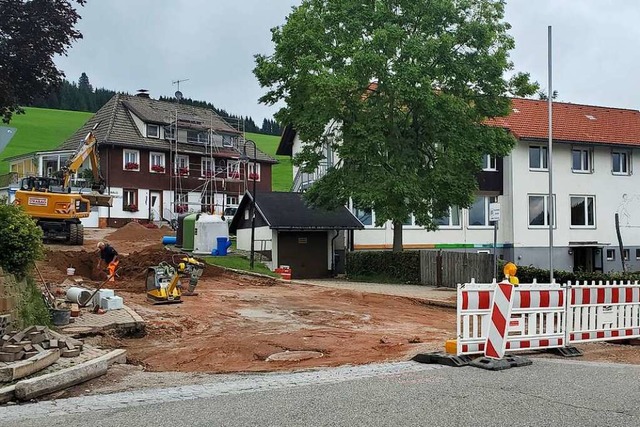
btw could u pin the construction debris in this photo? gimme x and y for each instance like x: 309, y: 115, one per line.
x: 33, y: 340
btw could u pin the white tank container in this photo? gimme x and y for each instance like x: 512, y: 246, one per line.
x: 208, y: 229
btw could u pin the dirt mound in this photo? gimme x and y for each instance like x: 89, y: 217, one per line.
x: 136, y: 232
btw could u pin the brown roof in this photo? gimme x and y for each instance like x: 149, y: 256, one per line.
x: 571, y: 122
x: 117, y: 126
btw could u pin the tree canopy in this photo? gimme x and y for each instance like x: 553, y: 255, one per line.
x: 31, y: 34
x: 410, y: 84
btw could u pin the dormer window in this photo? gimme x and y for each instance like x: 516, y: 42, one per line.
x: 227, y: 141
x: 195, y: 136
x: 153, y: 131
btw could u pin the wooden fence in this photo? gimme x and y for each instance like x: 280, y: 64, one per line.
x: 448, y: 268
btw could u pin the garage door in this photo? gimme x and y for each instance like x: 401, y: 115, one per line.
x: 305, y: 253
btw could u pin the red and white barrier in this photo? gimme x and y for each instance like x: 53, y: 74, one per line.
x: 536, y: 320
x: 603, y: 311
x: 500, y: 318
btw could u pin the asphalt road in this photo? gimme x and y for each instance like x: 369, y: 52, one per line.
x: 548, y: 393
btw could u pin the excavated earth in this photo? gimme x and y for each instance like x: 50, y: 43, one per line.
x: 237, y: 321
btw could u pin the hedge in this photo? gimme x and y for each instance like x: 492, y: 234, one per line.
x: 527, y: 274
x: 397, y: 267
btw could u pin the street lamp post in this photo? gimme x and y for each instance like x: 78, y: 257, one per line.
x: 253, y: 213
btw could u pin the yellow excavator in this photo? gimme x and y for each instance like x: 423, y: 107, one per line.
x: 51, y: 203
x: 163, y: 280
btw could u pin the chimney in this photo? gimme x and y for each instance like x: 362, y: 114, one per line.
x: 143, y: 93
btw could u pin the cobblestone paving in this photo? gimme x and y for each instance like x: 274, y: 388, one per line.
x: 124, y: 317
x: 229, y: 384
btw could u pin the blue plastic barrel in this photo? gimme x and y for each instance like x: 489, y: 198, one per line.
x: 169, y: 240
x: 223, y: 244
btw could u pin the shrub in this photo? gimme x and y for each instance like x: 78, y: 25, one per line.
x: 32, y: 309
x: 527, y: 274
x: 398, y: 267
x: 20, y: 240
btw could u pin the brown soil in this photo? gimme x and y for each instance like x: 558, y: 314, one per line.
x: 134, y: 232
x: 237, y: 321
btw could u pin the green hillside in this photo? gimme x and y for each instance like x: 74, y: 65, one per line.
x: 282, y: 172
x: 41, y: 129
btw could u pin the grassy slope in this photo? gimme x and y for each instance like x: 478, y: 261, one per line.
x: 41, y: 129
x: 282, y: 172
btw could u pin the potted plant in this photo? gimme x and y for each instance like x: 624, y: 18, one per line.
x: 157, y: 168
x: 131, y: 166
x: 208, y: 174
x: 182, y: 208
x: 234, y: 175
x: 131, y: 207
x: 183, y: 171
x: 253, y: 176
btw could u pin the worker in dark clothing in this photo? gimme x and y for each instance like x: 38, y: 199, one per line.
x: 110, y: 257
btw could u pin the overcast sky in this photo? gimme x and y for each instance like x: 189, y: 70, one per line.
x: 147, y: 44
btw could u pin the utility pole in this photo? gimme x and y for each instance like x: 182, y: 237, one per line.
x: 550, y: 158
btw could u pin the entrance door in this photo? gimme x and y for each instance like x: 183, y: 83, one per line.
x: 155, y: 206
x: 583, y: 259
x: 305, y: 252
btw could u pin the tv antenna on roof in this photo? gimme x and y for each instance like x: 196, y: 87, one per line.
x: 178, y: 94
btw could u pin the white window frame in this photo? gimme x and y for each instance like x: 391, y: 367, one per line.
x: 134, y: 193
x: 181, y: 159
x: 451, y: 226
x: 203, y: 169
x: 586, y: 212
x: 545, y: 209
x: 232, y: 167
x: 637, y: 253
x: 250, y: 168
x: 627, y: 163
x: 125, y: 153
x: 586, y: 155
x: 613, y: 254
x: 152, y: 126
x: 626, y: 253
x: 355, y: 209
x: 487, y: 201
x: 162, y: 161
x: 230, y: 198
x: 227, y: 140
x: 489, y: 163
x: 543, y: 159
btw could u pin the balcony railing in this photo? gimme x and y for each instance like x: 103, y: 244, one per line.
x: 304, y: 180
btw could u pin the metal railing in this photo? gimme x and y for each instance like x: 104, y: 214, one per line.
x: 304, y: 180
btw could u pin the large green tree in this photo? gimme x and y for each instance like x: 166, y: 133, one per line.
x: 410, y: 83
x: 32, y: 32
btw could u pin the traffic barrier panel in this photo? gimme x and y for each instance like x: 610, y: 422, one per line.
x: 603, y: 311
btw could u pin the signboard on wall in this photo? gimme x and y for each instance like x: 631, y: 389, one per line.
x: 37, y: 201
x: 494, y: 212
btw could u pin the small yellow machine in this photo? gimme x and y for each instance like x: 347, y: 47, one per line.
x: 163, y: 281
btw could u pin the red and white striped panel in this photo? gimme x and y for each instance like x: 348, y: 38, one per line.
x: 590, y: 295
x: 538, y: 299
x: 496, y: 343
x: 476, y: 300
x: 535, y: 344
x: 604, y: 335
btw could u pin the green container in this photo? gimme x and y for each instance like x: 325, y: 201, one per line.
x: 188, y: 232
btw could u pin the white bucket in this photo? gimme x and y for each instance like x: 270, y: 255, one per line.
x: 78, y: 295
x: 71, y: 271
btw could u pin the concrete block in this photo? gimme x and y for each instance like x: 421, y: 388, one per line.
x: 7, y: 357
x: 53, y: 343
x: 71, y: 353
x: 7, y: 394
x: 36, y: 337
x: 27, y: 367
x: 12, y: 348
x: 112, y: 303
x: 102, y: 293
x: 38, y: 348
x: 45, y: 384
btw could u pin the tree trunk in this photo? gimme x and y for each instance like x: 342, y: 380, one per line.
x: 397, y: 236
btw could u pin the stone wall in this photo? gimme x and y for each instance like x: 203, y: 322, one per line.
x: 9, y: 295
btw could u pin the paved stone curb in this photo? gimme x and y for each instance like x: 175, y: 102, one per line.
x: 7, y: 393
x: 27, y: 367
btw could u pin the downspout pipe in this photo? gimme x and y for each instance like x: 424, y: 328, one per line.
x: 333, y: 253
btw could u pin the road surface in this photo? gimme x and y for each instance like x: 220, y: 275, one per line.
x: 548, y: 393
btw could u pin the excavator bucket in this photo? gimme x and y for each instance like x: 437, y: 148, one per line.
x: 99, y: 199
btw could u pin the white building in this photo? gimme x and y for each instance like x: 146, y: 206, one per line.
x: 595, y: 151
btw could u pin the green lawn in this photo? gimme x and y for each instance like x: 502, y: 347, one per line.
x: 282, y: 175
x: 44, y: 129
x: 41, y: 129
x: 240, y: 263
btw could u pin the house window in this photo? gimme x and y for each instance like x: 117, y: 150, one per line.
x: 489, y: 163
x: 156, y: 162
x: 583, y: 211
x: 537, y: 157
x: 450, y: 220
x: 611, y: 254
x: 409, y: 221
x: 182, y: 202
x: 221, y: 166
x: 581, y: 160
x: 153, y: 131
x: 131, y: 160
x: 130, y: 200
x: 539, y: 211
x: 227, y: 141
x: 365, y: 215
x: 205, y: 167
x: 233, y: 169
x: 207, y: 203
x: 169, y: 133
x: 479, y: 211
x: 182, y: 165
x: 625, y: 254
x: 195, y: 136
x: 232, y: 200
x: 251, y: 171
x: 637, y: 253
x: 621, y: 163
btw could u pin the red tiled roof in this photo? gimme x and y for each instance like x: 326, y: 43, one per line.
x: 572, y: 122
